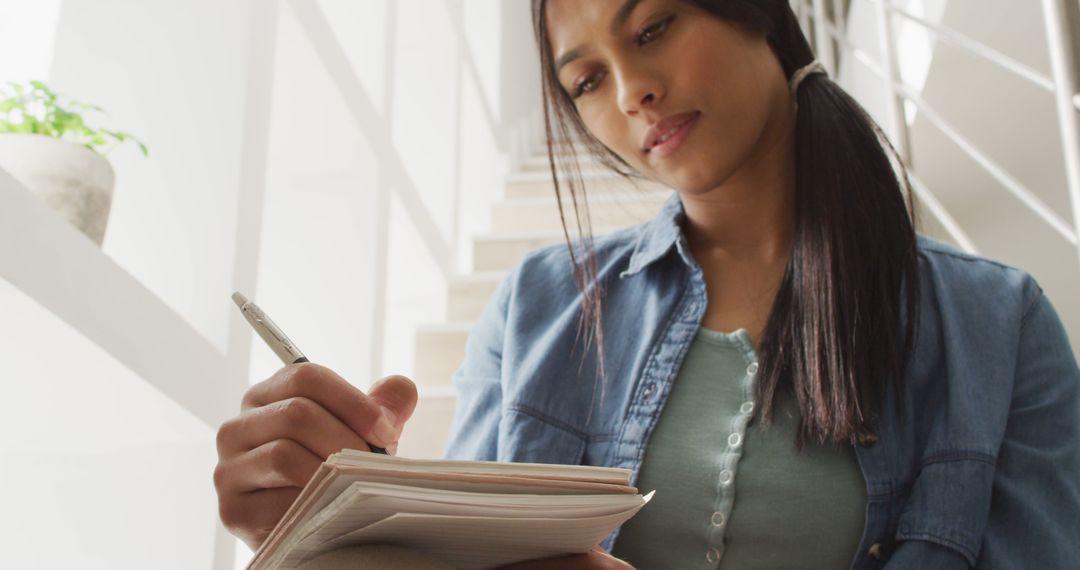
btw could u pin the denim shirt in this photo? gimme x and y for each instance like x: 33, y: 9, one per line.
x: 981, y: 469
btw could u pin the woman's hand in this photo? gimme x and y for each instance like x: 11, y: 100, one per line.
x: 288, y: 425
x: 595, y: 559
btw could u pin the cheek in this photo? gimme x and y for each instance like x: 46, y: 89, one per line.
x: 609, y: 126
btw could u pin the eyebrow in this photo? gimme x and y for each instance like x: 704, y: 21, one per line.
x: 617, y: 22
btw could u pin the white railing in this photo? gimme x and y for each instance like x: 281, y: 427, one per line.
x: 1064, y: 85
x: 393, y: 176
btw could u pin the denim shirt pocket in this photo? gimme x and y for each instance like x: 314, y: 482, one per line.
x: 950, y: 502
x: 527, y: 435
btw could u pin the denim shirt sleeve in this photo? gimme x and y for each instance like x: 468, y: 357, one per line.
x: 478, y: 383
x: 1034, y: 517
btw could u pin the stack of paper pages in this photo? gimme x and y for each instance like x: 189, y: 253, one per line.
x: 469, y: 514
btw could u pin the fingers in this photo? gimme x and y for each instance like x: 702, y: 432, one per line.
x: 256, y: 488
x: 252, y: 516
x: 298, y: 419
x: 356, y: 410
x: 279, y: 463
x: 397, y: 396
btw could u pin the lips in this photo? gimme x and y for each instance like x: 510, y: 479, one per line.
x: 663, y: 127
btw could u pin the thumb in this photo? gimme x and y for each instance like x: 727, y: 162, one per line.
x: 397, y: 397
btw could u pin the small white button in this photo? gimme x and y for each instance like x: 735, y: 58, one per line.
x: 752, y: 369
x: 725, y: 477
x: 747, y: 407
x: 718, y: 519
x: 734, y: 440
x: 712, y: 555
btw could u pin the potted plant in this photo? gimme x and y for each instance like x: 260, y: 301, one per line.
x: 46, y: 144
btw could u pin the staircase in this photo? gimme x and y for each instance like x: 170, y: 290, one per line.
x: 526, y: 219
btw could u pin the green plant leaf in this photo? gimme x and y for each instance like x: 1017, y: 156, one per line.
x: 36, y: 108
x: 40, y: 86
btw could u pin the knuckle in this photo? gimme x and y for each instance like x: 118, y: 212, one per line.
x: 279, y: 454
x: 221, y: 476
x: 304, y: 373
x: 249, y: 398
x: 286, y: 459
x: 298, y: 410
x: 227, y: 433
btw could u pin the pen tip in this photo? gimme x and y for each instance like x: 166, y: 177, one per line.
x: 239, y: 299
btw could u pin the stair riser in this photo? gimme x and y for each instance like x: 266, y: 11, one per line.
x: 466, y: 301
x: 427, y: 431
x: 521, y: 216
x: 607, y: 186
x: 438, y: 355
x: 501, y: 255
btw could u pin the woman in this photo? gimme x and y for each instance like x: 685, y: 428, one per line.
x: 804, y: 381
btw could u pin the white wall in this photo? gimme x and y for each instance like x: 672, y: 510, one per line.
x: 89, y: 434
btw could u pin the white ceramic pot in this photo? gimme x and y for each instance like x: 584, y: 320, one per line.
x: 74, y: 180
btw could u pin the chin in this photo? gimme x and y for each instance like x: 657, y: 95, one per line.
x: 692, y: 183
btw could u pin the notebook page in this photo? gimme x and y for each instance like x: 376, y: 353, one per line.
x: 611, y: 475
x: 357, y: 508
x: 484, y: 542
x: 326, y: 486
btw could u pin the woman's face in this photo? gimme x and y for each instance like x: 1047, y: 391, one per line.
x: 637, y: 68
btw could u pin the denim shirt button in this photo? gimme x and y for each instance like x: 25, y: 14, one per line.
x: 874, y: 552
x: 867, y: 439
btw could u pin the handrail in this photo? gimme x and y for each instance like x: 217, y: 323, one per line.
x: 971, y: 46
x: 97, y: 297
x: 925, y: 195
x: 942, y: 214
x: 455, y: 9
x: 822, y: 44
x: 356, y: 99
x: 1063, y: 62
x: 891, y: 68
x: 1010, y: 183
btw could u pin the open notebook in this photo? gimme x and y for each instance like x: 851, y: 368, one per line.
x: 470, y: 514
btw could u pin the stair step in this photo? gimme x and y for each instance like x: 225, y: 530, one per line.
x: 469, y: 294
x: 539, y: 163
x: 542, y: 214
x: 598, y: 183
x: 440, y: 350
x: 426, y: 433
x: 501, y: 252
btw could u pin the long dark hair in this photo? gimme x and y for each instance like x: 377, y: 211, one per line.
x: 843, y: 321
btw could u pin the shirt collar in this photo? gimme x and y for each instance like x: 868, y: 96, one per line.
x: 657, y: 236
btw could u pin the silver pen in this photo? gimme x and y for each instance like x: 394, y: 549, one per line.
x: 275, y: 338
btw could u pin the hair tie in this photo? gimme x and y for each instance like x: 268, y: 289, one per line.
x: 807, y: 70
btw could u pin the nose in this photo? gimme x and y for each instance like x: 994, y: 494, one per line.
x: 638, y: 90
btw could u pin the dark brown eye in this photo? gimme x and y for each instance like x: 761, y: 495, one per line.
x: 648, y: 34
x: 585, y: 86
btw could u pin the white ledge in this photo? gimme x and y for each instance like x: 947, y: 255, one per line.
x: 60, y: 268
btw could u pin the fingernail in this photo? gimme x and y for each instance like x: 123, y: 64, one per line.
x: 384, y: 432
